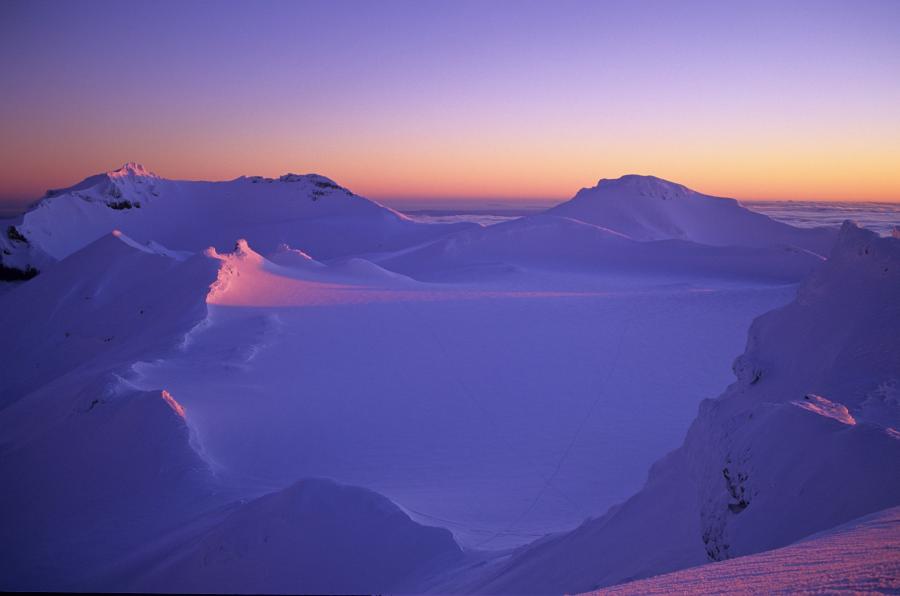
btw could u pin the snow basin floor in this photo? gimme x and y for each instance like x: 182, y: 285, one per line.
x: 500, y: 416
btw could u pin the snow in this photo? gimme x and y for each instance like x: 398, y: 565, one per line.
x: 104, y: 306
x: 858, y: 557
x: 184, y: 373
x: 314, y: 536
x: 756, y: 472
x: 649, y: 208
x: 309, y: 212
x: 556, y: 243
x: 825, y: 407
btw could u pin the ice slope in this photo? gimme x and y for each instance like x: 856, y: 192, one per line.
x: 309, y: 212
x: 774, y: 458
x: 313, y: 537
x: 862, y: 556
x: 554, y: 243
x: 650, y: 208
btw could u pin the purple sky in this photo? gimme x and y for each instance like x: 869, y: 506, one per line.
x: 458, y: 99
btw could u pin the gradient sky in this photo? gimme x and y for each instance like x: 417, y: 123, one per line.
x: 458, y: 99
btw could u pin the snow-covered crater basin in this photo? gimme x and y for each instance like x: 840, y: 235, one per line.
x: 501, y: 414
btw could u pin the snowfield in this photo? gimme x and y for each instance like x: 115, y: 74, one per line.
x: 195, y: 359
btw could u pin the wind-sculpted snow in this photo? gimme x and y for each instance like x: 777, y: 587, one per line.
x: 756, y: 472
x: 313, y: 537
x: 858, y: 557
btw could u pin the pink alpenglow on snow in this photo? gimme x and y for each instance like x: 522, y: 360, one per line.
x: 176, y: 407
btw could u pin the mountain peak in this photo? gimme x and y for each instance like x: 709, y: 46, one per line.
x: 645, y: 185
x: 132, y: 168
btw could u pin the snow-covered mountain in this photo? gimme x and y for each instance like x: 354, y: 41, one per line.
x: 310, y: 212
x: 193, y: 353
x: 633, y: 225
x: 650, y: 208
x: 804, y: 440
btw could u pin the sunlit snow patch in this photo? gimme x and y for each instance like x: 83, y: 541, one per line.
x: 825, y: 407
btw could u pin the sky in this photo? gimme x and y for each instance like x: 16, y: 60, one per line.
x: 468, y: 100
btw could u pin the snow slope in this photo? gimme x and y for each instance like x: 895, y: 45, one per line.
x: 768, y: 462
x: 310, y: 212
x: 649, y: 208
x: 862, y: 556
x: 111, y: 302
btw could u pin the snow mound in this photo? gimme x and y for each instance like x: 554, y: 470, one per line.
x: 315, y: 536
x: 858, y: 557
x: 755, y: 471
x: 649, y: 208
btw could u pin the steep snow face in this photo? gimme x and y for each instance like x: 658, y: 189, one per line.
x: 315, y: 536
x: 858, y: 557
x: 310, y: 212
x: 649, y: 208
x: 756, y: 471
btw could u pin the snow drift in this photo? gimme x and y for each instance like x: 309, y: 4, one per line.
x: 757, y: 471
